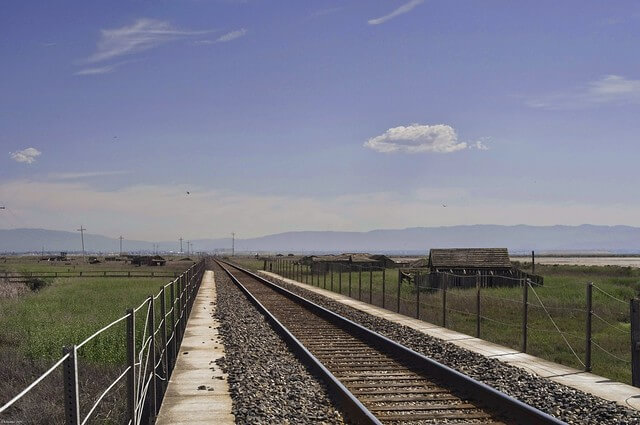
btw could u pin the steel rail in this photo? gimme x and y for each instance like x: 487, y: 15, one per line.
x: 352, y: 406
x: 488, y: 396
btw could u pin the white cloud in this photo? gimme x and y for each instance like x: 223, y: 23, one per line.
x: 142, y: 35
x: 232, y: 35
x: 610, y: 89
x: 407, y: 7
x: 480, y: 146
x: 27, y: 155
x: 417, y: 138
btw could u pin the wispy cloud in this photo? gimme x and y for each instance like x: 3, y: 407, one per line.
x: 232, y: 35
x: 417, y: 138
x: 98, y: 70
x: 610, y: 89
x: 27, y: 155
x: 407, y: 7
x: 85, y: 175
x: 143, y: 34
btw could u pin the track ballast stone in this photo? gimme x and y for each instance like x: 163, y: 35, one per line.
x: 568, y: 404
x: 268, y: 384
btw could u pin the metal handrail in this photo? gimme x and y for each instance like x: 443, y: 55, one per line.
x: 195, y: 272
x: 101, y: 330
x: 95, y: 405
x: 33, y: 384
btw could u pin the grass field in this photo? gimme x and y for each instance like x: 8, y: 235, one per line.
x: 34, y: 326
x: 563, y: 296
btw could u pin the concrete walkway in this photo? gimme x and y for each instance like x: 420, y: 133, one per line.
x: 198, y: 391
x: 605, y: 388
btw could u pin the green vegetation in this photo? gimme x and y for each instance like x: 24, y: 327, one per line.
x: 37, y: 320
x: 563, y: 296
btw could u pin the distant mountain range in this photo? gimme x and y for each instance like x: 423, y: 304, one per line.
x: 415, y: 240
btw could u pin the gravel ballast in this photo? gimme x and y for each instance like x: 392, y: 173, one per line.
x: 267, y: 383
x: 571, y: 405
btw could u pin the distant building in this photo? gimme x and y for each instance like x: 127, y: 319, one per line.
x: 466, y: 267
x: 146, y: 260
x: 470, y: 260
x: 348, y: 261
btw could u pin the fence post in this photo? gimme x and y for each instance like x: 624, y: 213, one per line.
x: 399, y: 282
x: 384, y: 286
x: 331, y: 271
x: 324, y: 279
x: 152, y: 347
x: 370, y: 285
x: 71, y: 391
x: 165, y: 349
x: 360, y: 283
x: 416, y: 281
x: 478, y: 314
x: 444, y: 300
x: 635, y: 342
x: 587, y: 352
x: 131, y: 361
x: 525, y: 313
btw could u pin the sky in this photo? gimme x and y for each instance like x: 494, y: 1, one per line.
x: 198, y: 118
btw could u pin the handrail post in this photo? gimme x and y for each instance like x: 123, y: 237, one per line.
x: 349, y: 280
x: 587, y: 360
x: 71, y: 391
x: 154, y: 383
x: 174, y: 350
x: 165, y: 348
x: 340, y: 280
x: 131, y: 361
x: 525, y: 313
x: 635, y: 341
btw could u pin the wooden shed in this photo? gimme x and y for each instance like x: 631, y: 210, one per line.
x: 467, y: 267
x: 469, y: 260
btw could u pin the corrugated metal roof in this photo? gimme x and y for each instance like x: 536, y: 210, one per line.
x: 470, y: 258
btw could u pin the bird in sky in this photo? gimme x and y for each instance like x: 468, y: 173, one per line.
x: 188, y: 193
x: 444, y: 206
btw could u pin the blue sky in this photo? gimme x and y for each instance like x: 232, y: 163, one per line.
x: 317, y: 115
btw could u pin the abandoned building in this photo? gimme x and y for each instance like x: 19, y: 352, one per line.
x: 466, y: 267
x: 348, y: 261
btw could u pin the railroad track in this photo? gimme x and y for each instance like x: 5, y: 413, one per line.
x: 376, y: 380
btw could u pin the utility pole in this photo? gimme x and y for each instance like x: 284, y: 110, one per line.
x: 121, y: 238
x: 188, y: 245
x: 180, y: 245
x: 233, y: 244
x: 81, y: 230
